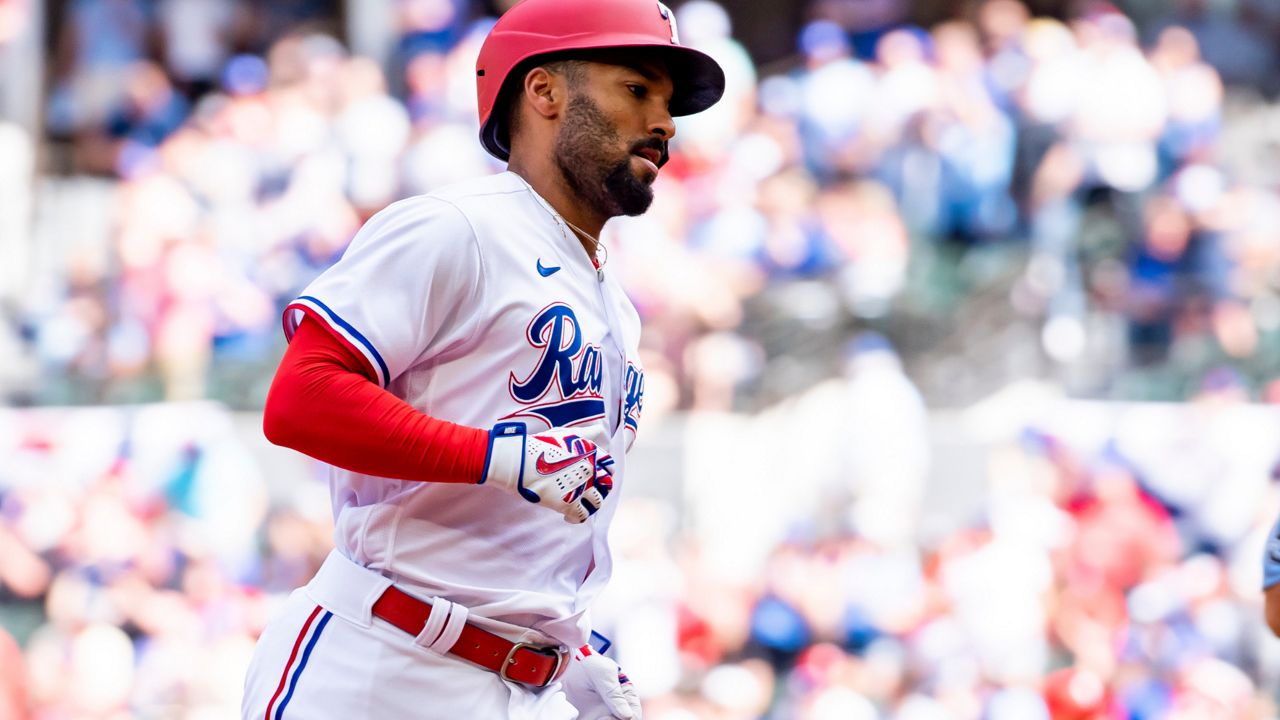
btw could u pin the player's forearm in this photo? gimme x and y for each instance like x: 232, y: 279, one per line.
x: 321, y: 405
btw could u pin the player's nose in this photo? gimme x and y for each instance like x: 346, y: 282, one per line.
x: 661, y: 125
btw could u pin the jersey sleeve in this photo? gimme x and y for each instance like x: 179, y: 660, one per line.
x: 321, y: 403
x: 408, y: 286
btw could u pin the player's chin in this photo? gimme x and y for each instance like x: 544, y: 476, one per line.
x: 629, y: 193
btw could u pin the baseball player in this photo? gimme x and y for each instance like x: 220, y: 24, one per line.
x: 1271, y: 579
x: 469, y: 370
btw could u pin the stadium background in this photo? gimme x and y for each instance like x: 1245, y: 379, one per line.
x: 995, y: 287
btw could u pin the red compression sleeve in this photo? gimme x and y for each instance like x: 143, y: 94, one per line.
x: 323, y: 403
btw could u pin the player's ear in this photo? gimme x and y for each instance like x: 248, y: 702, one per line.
x: 545, y: 92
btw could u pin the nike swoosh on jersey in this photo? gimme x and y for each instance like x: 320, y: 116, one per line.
x: 547, y: 271
x: 546, y: 467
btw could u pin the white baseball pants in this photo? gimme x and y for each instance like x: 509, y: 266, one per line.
x: 326, y: 657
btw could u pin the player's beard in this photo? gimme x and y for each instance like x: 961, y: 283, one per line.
x: 583, y: 154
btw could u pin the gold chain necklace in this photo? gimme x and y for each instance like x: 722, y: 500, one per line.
x: 599, y: 246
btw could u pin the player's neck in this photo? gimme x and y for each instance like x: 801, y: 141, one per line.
x: 552, y: 188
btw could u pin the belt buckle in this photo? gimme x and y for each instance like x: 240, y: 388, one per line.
x: 511, y: 656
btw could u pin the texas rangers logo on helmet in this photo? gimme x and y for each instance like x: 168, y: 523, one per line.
x: 670, y: 17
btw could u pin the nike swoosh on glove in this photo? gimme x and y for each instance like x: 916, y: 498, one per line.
x: 557, y: 469
x: 598, y: 688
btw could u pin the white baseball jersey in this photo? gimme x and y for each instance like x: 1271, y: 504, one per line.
x: 477, y: 304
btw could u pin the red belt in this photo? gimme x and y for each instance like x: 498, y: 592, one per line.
x: 519, y: 662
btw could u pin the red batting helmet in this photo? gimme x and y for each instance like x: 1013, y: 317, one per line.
x: 542, y: 27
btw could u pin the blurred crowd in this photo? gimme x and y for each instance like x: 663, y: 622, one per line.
x: 1096, y: 561
x: 1082, y: 172
x: 1112, y: 186
x: 142, y: 549
x: 1079, y: 561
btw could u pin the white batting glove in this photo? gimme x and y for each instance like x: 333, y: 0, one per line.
x: 556, y: 469
x: 598, y: 688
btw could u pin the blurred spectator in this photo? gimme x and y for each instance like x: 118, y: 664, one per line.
x: 864, y: 21
x: 1195, y: 92
x: 1178, y: 277
x: 16, y: 173
x: 372, y: 129
x: 705, y: 137
x: 954, y: 162
x: 862, y: 224
x: 148, y: 112
x: 1122, y: 108
x: 426, y: 27
x: 13, y: 686
x: 97, y: 42
x: 1237, y: 38
x: 15, y: 17
x: 885, y: 460
x: 18, y: 46
x: 198, y: 37
x: 835, y: 94
x: 1002, y: 26
x: 265, y: 23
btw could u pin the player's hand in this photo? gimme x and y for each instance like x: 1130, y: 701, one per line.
x: 557, y: 469
x: 598, y: 688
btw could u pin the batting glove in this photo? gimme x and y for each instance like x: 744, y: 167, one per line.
x: 557, y: 469
x: 598, y: 688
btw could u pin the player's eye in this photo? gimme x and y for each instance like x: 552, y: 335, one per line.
x: 638, y: 90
